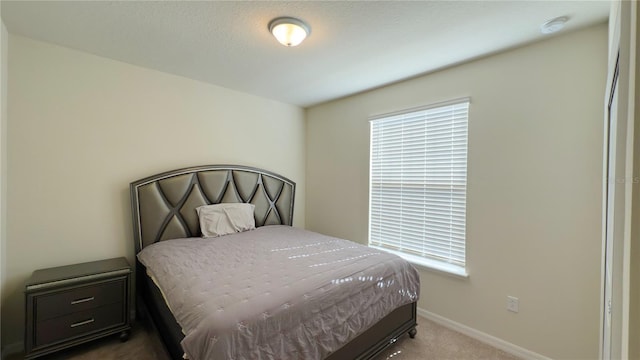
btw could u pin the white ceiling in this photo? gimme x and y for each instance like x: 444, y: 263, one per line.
x: 354, y: 45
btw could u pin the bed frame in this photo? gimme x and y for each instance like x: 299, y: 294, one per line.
x: 163, y: 208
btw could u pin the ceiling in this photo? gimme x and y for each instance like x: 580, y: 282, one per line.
x: 354, y: 45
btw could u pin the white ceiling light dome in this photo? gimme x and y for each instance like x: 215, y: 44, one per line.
x: 554, y: 25
x: 289, y: 31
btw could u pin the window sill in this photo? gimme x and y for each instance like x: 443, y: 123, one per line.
x: 429, y: 264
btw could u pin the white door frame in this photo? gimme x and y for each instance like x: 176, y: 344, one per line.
x: 618, y: 183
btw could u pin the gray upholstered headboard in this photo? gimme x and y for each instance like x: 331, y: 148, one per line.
x: 163, y: 205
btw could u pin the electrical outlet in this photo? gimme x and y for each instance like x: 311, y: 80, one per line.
x: 512, y: 304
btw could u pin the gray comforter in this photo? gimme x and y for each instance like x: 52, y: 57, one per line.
x: 276, y: 292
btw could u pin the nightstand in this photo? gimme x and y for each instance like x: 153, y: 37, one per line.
x: 69, y: 305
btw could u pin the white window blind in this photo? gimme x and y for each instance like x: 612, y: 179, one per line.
x: 418, y: 182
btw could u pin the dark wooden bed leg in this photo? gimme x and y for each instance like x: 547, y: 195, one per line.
x: 124, y: 336
x: 412, y: 333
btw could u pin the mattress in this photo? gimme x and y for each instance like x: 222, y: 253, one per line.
x: 276, y: 292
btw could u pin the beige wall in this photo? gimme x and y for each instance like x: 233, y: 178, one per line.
x: 4, y: 37
x: 534, y: 188
x: 634, y: 293
x: 83, y: 127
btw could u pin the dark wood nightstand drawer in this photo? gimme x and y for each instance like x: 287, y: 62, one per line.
x: 80, y: 323
x: 79, y: 299
x: 72, y: 304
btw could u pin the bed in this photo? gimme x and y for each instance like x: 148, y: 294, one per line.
x: 245, y: 299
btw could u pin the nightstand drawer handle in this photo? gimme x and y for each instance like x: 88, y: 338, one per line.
x: 80, y: 301
x: 86, y: 322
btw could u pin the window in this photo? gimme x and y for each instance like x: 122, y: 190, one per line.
x: 418, y: 184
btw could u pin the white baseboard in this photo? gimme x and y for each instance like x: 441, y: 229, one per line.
x: 12, y: 349
x: 484, y: 337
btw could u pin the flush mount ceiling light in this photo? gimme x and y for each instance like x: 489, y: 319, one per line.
x: 289, y: 31
x: 553, y: 25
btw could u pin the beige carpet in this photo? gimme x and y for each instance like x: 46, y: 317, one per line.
x: 432, y: 342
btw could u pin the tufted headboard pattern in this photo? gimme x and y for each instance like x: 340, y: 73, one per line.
x: 163, y: 205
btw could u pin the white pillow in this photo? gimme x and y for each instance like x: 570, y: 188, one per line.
x: 228, y: 218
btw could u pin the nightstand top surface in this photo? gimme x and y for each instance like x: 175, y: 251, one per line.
x: 89, y: 270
